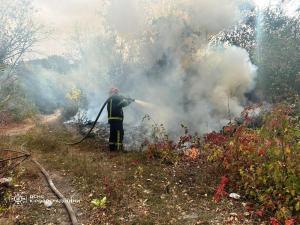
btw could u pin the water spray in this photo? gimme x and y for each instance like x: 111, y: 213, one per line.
x: 144, y: 104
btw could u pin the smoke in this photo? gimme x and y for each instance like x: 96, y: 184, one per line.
x: 212, y: 16
x: 60, y: 17
x: 224, y: 75
x: 204, y: 96
x: 126, y: 17
x: 160, y: 52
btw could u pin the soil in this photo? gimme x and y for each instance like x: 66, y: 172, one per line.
x: 138, y: 191
x: 35, y: 189
x: 13, y: 129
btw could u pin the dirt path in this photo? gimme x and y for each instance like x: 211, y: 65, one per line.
x: 24, y: 127
x: 138, y: 190
x: 42, y: 205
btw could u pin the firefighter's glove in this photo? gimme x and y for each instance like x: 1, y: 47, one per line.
x: 131, y: 100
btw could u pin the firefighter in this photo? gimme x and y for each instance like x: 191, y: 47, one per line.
x: 115, y: 118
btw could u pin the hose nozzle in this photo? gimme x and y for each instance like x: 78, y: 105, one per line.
x: 131, y: 99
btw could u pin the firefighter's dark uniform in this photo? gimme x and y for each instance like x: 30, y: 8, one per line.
x: 115, y: 119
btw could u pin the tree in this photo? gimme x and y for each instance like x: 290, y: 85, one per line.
x: 18, y: 33
x: 279, y: 56
x: 273, y: 42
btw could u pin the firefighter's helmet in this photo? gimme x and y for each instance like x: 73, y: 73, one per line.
x: 113, y: 91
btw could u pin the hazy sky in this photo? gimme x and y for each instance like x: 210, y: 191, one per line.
x: 61, y: 16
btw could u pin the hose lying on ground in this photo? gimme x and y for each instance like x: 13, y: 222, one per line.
x: 94, y: 124
x: 58, y: 194
x: 25, y: 155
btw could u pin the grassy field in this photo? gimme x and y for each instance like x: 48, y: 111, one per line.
x: 138, y: 190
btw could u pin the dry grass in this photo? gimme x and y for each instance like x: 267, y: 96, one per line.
x: 138, y: 190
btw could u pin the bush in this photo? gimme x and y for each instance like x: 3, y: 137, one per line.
x: 161, y: 147
x: 262, y: 163
x: 75, y: 103
x: 69, y: 111
x: 17, y: 107
x: 168, y: 151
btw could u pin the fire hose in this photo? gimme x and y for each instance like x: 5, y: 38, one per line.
x: 25, y: 155
x: 94, y: 124
x: 67, y: 205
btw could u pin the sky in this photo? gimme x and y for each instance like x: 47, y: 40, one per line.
x: 290, y: 5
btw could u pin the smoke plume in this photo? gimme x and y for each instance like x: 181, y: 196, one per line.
x: 160, y: 52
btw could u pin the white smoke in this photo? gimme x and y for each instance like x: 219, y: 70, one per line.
x: 212, y: 16
x: 158, y: 51
x: 126, y: 17
x: 224, y: 75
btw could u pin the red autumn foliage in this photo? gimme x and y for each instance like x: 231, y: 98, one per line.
x: 260, y: 213
x: 261, y: 162
x: 215, y: 138
x: 220, y: 191
x: 135, y: 162
x: 290, y: 222
x: 274, y: 221
x: 261, y: 152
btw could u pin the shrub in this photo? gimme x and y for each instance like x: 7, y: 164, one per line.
x: 161, y: 147
x: 69, y: 111
x: 17, y: 107
x: 75, y: 102
x: 263, y: 163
